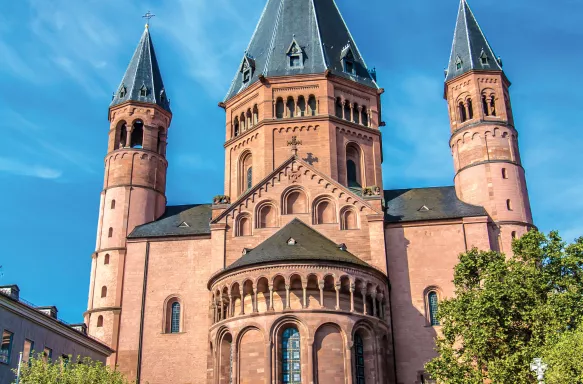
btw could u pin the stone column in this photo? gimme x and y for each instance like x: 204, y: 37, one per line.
x: 214, y: 309
x: 128, y: 136
x: 352, y: 297
x: 234, y: 357
x: 271, y: 297
x: 381, y: 306
x: 374, y: 303
x: 231, y: 309
x: 351, y: 112
x: 348, y: 363
x: 337, y: 288
x: 321, y: 286
x: 242, y: 302
x: 304, y: 288
x: 363, y: 292
x: 255, y: 309
x: 359, y: 111
x: 287, y: 298
x: 310, y: 361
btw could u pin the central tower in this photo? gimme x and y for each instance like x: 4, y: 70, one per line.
x: 302, y: 75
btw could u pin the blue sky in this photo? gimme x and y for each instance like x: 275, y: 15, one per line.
x: 60, y: 61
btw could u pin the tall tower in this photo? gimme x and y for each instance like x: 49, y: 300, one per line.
x: 484, y: 141
x: 134, y: 183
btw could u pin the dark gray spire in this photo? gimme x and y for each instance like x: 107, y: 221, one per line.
x: 470, y: 49
x: 142, y: 81
x: 296, y: 37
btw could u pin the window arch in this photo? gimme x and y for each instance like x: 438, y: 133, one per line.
x: 339, y: 109
x: 291, y: 360
x: 106, y: 259
x: 173, y: 316
x: 123, y: 135
x: 245, y: 172
x: 364, y: 117
x: 359, y: 359
x: 249, y: 119
x: 236, y: 126
x: 279, y: 108
x: 295, y: 202
x: 347, y: 111
x: 470, y: 109
x: 242, y: 122
x: 354, y: 177
x: 110, y: 232
x: 137, y: 136
x: 433, y: 307
x: 324, y: 211
x: 356, y: 116
x: 255, y: 114
x: 301, y: 106
x: 348, y: 219
x: 266, y: 216
x: 243, y: 226
x: 291, y: 107
x: 100, y: 321
x: 103, y: 292
x: 312, y: 105
x: 462, y: 112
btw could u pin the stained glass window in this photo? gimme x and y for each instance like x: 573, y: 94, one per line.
x: 249, y: 178
x: 359, y: 349
x: 433, y: 306
x: 175, y: 321
x: 291, y: 362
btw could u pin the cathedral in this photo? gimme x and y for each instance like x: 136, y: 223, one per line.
x: 304, y: 269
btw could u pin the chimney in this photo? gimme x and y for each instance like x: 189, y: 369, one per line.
x: 11, y: 291
x: 81, y: 328
x: 49, y: 311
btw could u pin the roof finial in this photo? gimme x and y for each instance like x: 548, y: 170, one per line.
x: 148, y: 16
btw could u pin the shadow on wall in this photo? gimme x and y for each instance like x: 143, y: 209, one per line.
x: 413, y: 334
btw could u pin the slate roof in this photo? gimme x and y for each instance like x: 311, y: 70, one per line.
x: 469, y: 44
x: 319, y: 29
x: 179, y: 220
x: 405, y: 205
x: 310, y: 246
x: 143, y: 71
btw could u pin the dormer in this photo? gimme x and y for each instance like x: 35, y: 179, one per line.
x: 459, y: 64
x: 484, y: 60
x: 296, y: 56
x: 347, y: 58
x: 247, y: 68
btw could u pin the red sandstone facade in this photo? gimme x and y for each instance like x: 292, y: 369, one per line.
x: 305, y: 270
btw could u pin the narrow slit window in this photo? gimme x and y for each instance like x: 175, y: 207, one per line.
x: 504, y: 173
x: 433, y: 302
x: 509, y: 205
x: 175, y: 318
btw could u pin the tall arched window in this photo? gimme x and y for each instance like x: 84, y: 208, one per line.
x: 249, y: 119
x: 356, y: 113
x: 106, y: 259
x: 339, y: 112
x: 353, y: 166
x: 175, y: 318
x: 433, y: 304
x: 470, y: 109
x: 301, y: 106
x: 110, y: 232
x: 347, y: 111
x: 245, y: 172
x: 255, y: 114
x: 359, y: 359
x: 290, y: 359
x: 236, y: 127
x: 242, y: 122
x: 312, y: 105
x: 485, y: 106
x: 364, y: 117
x: 103, y: 292
x: 279, y: 108
x: 100, y: 322
x: 351, y: 173
x: 123, y: 136
x: 291, y: 107
x: 462, y: 111
x: 249, y: 178
x: 137, y: 137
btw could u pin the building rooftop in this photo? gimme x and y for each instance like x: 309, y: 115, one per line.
x: 178, y: 220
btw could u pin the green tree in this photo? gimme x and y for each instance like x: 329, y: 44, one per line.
x: 63, y: 371
x: 507, y: 311
x: 565, y: 358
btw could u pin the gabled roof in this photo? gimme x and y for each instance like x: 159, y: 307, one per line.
x: 179, y: 220
x: 469, y: 46
x: 319, y: 29
x: 309, y: 245
x: 421, y: 204
x: 143, y: 72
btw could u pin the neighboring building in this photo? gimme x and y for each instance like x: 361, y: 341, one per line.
x: 33, y: 330
x: 304, y: 270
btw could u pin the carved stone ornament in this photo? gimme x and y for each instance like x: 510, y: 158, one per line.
x: 371, y: 191
x: 221, y: 200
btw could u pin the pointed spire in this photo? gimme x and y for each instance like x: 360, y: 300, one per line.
x: 142, y: 81
x: 320, y: 35
x: 470, y: 49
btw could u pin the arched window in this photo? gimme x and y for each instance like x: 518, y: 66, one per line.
x: 470, y: 109
x: 291, y: 107
x: 255, y: 114
x: 236, y: 127
x: 266, y: 216
x: 312, y: 105
x: 112, y: 204
x: 339, y: 112
x: 245, y: 172
x: 504, y: 173
x: 356, y: 113
x: 123, y: 135
x: 301, y: 106
x: 242, y: 122
x: 103, y: 292
x: 249, y: 119
x: 290, y: 359
x: 295, y: 202
x: 347, y: 111
x: 279, y: 108
x: 243, y: 226
x: 100, y: 322
x: 364, y: 117
x: 509, y: 205
x: 324, y: 212
x: 462, y: 111
x: 351, y: 173
x: 353, y: 166
x: 110, y: 232
x: 106, y: 259
x: 359, y: 359
x: 485, y: 106
x: 493, y: 105
x: 137, y: 137
x: 175, y: 318
x: 433, y: 305
x: 249, y: 178
x: 349, y: 220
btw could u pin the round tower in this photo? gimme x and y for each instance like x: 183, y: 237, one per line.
x: 134, y: 184
x: 484, y: 141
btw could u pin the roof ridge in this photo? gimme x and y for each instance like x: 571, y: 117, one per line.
x: 324, y: 58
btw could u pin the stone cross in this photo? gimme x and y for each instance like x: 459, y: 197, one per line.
x: 294, y: 142
x: 148, y: 16
x: 539, y: 368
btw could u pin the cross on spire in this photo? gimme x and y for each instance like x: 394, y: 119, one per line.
x: 148, y: 16
x: 294, y: 142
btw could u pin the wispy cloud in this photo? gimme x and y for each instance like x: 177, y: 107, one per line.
x: 17, y: 167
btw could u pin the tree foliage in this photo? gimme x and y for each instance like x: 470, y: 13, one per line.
x: 507, y: 311
x: 565, y: 358
x: 61, y: 371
